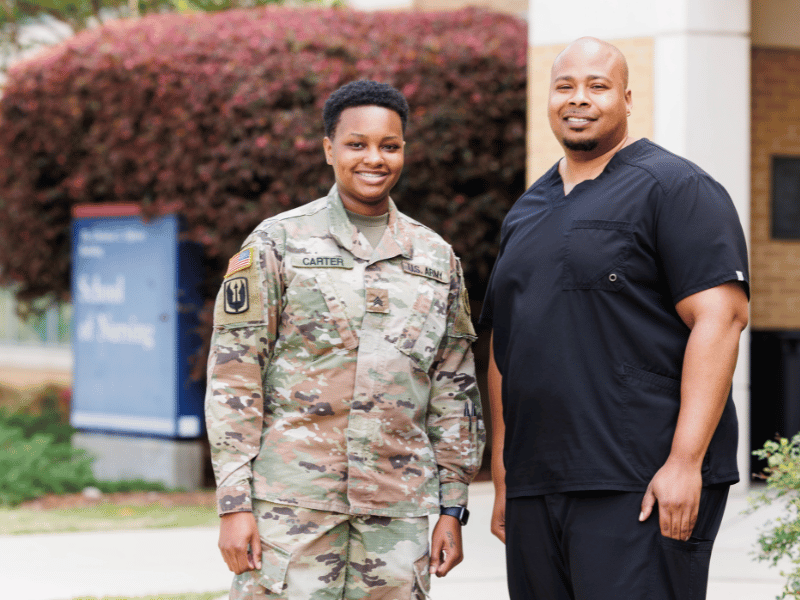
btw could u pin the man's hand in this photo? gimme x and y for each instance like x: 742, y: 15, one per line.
x: 446, y: 547
x: 238, y: 533
x: 676, y: 487
x: 499, y: 517
x: 498, y: 523
x: 716, y: 317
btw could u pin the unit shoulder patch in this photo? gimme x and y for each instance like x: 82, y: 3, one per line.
x: 240, y: 297
x: 236, y: 296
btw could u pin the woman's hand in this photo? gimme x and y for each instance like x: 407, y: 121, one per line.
x: 446, y: 547
x: 238, y: 533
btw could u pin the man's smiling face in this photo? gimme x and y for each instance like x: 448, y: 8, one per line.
x: 589, y: 100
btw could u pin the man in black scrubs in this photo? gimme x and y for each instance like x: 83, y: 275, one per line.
x: 616, y: 306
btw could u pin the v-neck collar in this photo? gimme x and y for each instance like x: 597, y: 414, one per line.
x: 620, y: 157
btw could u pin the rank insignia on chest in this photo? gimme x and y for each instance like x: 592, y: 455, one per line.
x: 240, y: 262
x: 236, y: 295
x: 377, y: 300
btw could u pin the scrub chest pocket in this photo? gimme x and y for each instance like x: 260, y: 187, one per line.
x: 596, y: 255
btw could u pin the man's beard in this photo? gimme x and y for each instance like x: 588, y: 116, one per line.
x: 583, y: 146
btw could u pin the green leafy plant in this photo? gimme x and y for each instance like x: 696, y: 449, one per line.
x: 781, y: 541
x: 37, y: 458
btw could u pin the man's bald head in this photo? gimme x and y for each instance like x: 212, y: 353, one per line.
x: 589, y: 99
x: 591, y: 47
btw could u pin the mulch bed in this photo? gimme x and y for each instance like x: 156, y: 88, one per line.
x: 166, y: 499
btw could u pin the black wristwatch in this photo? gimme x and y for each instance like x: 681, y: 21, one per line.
x: 459, y: 512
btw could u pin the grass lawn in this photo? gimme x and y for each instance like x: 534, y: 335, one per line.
x: 106, y: 517
x: 200, y: 596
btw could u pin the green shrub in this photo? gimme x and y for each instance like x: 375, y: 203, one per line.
x: 37, y: 458
x: 782, y: 540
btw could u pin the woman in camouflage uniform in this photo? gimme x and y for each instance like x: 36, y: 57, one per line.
x: 342, y: 406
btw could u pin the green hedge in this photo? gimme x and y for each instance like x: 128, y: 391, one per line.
x: 37, y: 458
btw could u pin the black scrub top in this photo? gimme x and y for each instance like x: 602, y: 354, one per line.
x: 581, y: 303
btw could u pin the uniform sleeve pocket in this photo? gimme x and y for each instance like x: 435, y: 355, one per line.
x: 596, y: 255
x: 274, y: 564
x: 473, y: 438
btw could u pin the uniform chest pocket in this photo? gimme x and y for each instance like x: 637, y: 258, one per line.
x: 315, y: 313
x: 596, y: 255
x: 422, y: 330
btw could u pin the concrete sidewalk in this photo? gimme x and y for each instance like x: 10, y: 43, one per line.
x: 171, y: 561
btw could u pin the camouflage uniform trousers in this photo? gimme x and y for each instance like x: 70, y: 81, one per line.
x: 319, y: 555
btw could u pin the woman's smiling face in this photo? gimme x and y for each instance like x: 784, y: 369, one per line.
x: 366, y: 153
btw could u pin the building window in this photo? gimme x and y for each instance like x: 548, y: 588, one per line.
x: 786, y: 197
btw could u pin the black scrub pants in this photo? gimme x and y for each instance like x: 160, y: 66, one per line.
x: 591, y: 546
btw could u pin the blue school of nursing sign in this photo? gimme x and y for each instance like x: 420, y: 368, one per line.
x: 135, y: 302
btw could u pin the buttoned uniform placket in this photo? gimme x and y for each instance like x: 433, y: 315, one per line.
x: 364, y: 428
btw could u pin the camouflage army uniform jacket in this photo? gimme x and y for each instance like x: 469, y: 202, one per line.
x: 342, y: 378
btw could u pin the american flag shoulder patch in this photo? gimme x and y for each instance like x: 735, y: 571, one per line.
x: 240, y: 261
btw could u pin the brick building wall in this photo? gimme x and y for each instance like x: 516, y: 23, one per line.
x: 543, y: 149
x: 775, y: 266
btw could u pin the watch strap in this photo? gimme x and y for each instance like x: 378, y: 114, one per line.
x: 459, y: 512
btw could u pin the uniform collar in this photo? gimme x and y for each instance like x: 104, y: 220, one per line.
x: 396, y: 240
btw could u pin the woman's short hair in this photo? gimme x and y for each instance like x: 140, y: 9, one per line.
x: 363, y: 92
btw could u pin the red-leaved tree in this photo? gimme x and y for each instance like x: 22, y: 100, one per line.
x: 220, y: 115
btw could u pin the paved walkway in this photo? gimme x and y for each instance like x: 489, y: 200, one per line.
x: 170, y: 561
